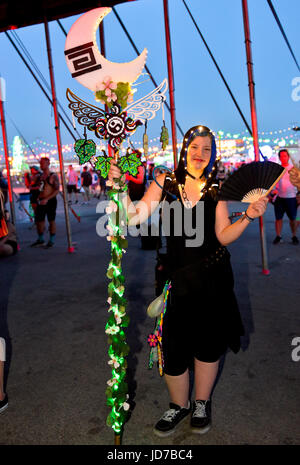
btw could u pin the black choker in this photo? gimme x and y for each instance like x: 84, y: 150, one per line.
x: 194, y: 176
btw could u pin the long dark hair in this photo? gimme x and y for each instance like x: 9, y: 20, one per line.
x: 195, y: 131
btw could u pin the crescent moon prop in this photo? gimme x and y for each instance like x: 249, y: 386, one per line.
x: 84, y: 60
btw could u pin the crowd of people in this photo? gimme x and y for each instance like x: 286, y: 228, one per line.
x: 88, y: 183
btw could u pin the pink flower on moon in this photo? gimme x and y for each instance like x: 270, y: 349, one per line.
x: 112, y: 97
x: 107, y: 85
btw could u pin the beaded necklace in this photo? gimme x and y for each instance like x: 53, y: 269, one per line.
x: 203, y: 189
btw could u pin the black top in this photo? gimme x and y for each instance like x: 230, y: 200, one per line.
x: 180, y: 253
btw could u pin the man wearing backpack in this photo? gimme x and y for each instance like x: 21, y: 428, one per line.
x: 86, y: 181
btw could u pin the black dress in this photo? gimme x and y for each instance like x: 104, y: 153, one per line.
x: 202, y: 318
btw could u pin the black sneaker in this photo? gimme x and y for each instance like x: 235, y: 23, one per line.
x: 277, y: 240
x: 295, y: 240
x: 3, y: 404
x: 38, y: 243
x: 49, y: 245
x: 170, y: 419
x: 201, y: 416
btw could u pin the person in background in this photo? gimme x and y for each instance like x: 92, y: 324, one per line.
x: 294, y: 175
x: 221, y: 174
x: 32, y: 182
x: 286, y: 200
x: 102, y: 184
x: 86, y: 181
x: 95, y: 182
x: 72, y: 179
x: 5, y: 250
x: 4, y: 187
x: 8, y: 243
x: 47, y: 204
x: 150, y: 171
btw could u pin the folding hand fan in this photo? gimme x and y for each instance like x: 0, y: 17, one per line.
x: 252, y: 181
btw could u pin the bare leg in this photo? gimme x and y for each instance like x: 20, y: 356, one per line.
x: 85, y: 197
x: 40, y: 226
x: 178, y: 387
x: 52, y: 227
x: 278, y: 227
x: 205, y: 376
x: 293, y: 226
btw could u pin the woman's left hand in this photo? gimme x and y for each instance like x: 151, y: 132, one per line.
x: 257, y: 208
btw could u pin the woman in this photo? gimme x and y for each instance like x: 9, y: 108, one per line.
x: 202, y: 319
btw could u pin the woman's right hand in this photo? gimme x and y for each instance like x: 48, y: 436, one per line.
x: 114, y: 171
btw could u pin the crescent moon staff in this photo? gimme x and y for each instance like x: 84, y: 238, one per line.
x: 112, y: 126
x: 111, y: 84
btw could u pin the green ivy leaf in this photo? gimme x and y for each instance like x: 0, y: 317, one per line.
x: 108, y: 393
x: 103, y: 165
x: 125, y: 321
x: 110, y: 273
x: 109, y: 420
x: 85, y: 150
x: 129, y: 164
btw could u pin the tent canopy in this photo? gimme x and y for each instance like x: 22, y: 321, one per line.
x: 19, y: 13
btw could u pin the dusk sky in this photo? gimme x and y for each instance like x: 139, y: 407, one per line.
x: 201, y: 96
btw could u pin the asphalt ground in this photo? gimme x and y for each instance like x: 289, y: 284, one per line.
x: 54, y: 304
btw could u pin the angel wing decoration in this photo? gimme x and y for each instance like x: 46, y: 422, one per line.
x: 113, y: 126
x: 146, y: 107
x: 85, y: 113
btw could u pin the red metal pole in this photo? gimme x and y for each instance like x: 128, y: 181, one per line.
x: 58, y: 138
x: 171, y: 82
x: 6, y: 153
x: 254, y: 123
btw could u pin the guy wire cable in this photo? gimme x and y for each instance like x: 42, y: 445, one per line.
x: 219, y: 70
x: 282, y: 31
x: 38, y: 82
x: 221, y: 74
x: 40, y: 74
